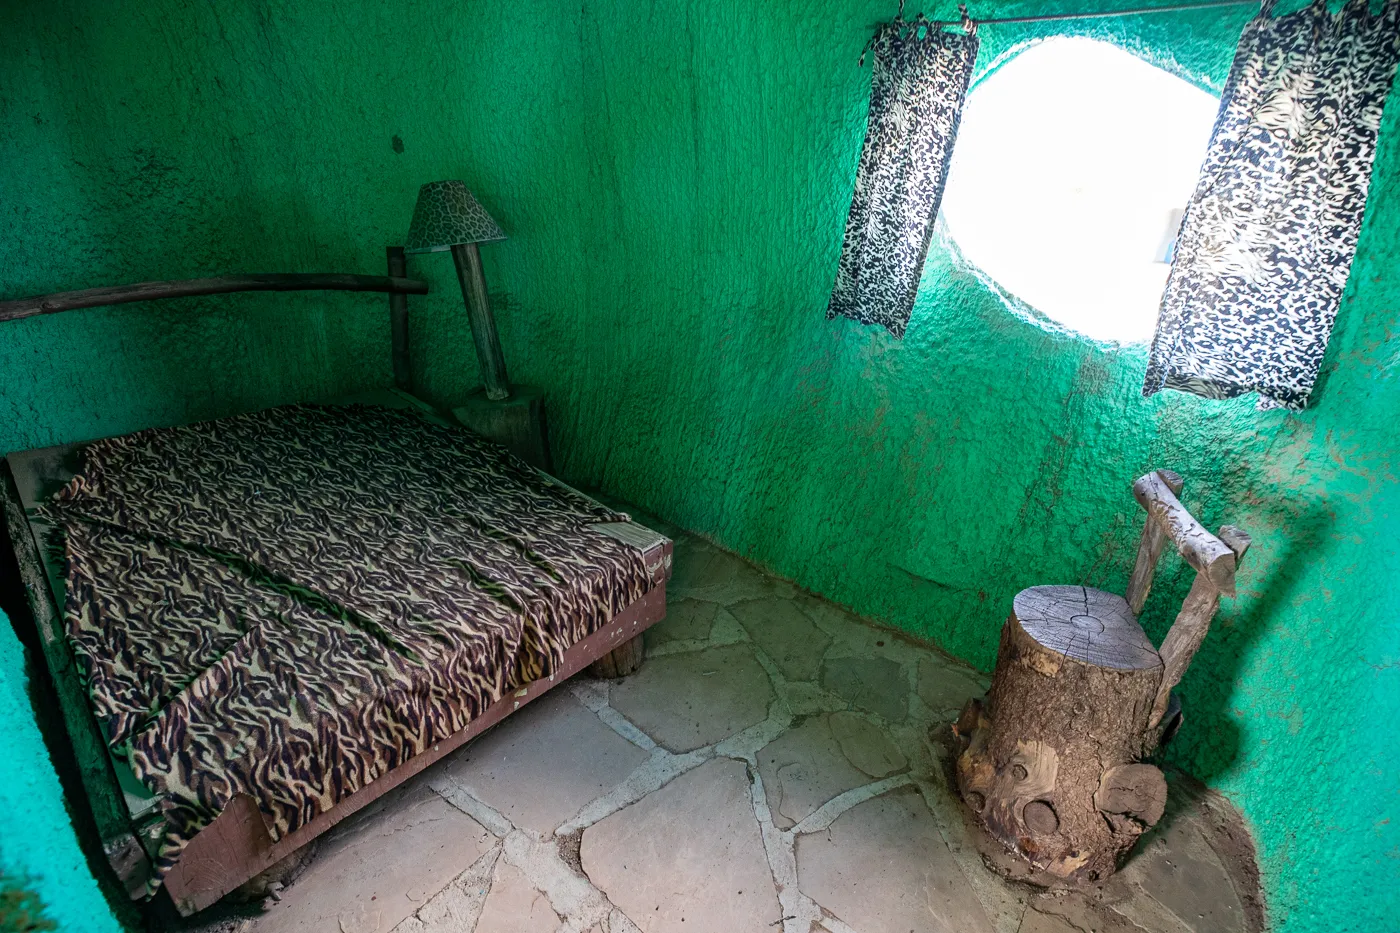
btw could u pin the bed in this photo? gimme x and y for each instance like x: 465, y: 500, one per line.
x: 257, y: 625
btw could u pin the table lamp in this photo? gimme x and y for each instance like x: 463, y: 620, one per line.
x: 448, y: 217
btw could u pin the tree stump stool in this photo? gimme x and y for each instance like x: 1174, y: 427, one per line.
x: 1051, y: 760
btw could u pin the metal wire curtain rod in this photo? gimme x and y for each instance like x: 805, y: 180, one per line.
x: 1171, y: 8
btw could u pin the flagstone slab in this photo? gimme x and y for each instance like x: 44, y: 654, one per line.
x: 686, y: 620
x: 866, y: 745
x: 1035, y: 921
x: 457, y: 906
x: 514, y: 906
x: 849, y: 631
x: 1179, y: 881
x: 543, y: 763
x: 945, y: 687
x: 688, y: 701
x: 702, y: 571
x: 379, y: 866
x: 876, y: 685
x: 803, y: 769
x: 883, y: 867
x: 785, y: 634
x: 688, y: 858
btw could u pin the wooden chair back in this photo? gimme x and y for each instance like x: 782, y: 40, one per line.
x: 1215, y: 557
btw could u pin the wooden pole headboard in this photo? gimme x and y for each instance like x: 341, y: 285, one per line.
x: 395, y: 284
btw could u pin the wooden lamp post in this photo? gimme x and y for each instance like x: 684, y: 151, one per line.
x: 448, y: 217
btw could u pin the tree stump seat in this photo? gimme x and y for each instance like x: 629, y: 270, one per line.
x: 1051, y: 761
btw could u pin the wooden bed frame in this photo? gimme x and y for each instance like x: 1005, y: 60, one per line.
x: 237, y: 846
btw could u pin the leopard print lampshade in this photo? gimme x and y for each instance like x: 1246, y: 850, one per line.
x: 447, y: 215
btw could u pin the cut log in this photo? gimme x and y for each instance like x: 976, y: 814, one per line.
x: 621, y: 661
x: 1138, y: 791
x: 1052, y: 761
x: 1069, y: 708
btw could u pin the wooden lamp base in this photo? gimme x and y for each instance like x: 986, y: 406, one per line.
x: 516, y: 422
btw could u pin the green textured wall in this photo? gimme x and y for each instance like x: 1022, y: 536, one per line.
x: 37, y: 848
x: 674, y: 177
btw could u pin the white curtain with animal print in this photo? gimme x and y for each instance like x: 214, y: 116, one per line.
x: 1267, y: 240
x: 920, y: 80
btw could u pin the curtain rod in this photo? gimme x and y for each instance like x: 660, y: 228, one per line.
x: 1173, y: 8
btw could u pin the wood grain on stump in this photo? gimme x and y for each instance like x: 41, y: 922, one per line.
x: 1085, y: 624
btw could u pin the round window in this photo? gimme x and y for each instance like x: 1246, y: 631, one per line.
x: 1072, y: 165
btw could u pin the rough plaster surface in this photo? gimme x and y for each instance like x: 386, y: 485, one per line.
x: 674, y: 184
x: 37, y: 848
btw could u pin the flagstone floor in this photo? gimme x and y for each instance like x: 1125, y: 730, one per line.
x: 775, y: 765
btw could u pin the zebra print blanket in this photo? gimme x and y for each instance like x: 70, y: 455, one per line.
x: 291, y: 603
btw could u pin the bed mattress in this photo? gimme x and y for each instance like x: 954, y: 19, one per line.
x: 289, y: 604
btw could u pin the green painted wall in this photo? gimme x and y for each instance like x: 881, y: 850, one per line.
x: 674, y: 176
x: 37, y: 850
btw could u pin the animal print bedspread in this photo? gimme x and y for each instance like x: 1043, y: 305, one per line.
x: 291, y: 603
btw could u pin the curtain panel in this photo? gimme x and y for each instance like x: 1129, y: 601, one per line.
x: 921, y: 75
x: 1267, y: 240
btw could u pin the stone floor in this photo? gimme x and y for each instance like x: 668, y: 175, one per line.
x: 775, y: 765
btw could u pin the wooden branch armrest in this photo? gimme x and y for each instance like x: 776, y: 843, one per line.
x: 1201, y: 549
x: 1189, y: 630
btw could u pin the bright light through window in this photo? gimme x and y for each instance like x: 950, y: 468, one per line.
x: 1071, y: 168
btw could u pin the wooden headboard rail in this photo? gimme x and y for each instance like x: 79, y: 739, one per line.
x: 395, y: 284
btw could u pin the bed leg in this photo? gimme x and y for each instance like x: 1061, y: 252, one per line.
x: 621, y: 661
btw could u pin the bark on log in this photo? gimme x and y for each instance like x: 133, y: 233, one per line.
x: 1189, y: 630
x: 1052, y: 762
x: 1198, y: 547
